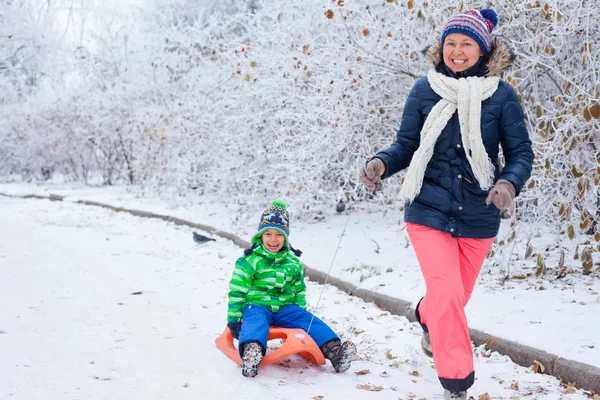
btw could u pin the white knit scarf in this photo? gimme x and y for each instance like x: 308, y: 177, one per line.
x: 466, y: 95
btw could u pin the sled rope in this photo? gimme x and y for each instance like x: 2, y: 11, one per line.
x: 328, y: 272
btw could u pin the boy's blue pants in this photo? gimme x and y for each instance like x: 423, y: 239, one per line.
x: 257, y: 319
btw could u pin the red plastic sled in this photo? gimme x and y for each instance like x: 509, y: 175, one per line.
x: 295, y: 341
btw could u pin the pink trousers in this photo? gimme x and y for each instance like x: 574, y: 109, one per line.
x: 450, y: 267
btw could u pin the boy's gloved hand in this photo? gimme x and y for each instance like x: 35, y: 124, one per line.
x: 502, y: 195
x: 370, y: 175
x: 235, y: 328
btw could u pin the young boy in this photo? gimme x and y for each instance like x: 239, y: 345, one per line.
x: 267, y: 288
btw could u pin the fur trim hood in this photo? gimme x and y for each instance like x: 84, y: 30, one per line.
x: 497, y: 61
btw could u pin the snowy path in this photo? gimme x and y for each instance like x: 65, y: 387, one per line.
x: 70, y: 327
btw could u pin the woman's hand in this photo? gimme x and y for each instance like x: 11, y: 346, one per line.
x: 502, y: 195
x: 371, y: 174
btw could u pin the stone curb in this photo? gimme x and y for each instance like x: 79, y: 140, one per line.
x: 584, y: 375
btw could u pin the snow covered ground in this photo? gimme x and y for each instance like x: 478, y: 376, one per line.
x: 73, y: 327
x: 560, y: 315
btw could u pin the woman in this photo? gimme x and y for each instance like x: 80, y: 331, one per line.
x: 455, y: 120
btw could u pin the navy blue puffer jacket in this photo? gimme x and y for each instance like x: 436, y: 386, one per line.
x: 451, y: 199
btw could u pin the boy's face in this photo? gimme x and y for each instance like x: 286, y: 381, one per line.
x: 273, y: 240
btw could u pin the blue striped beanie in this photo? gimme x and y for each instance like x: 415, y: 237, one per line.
x: 476, y: 24
x: 275, y: 217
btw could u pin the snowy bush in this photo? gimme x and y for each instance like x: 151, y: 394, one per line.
x: 279, y: 98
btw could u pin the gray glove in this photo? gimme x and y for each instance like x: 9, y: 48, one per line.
x: 502, y: 195
x: 370, y: 175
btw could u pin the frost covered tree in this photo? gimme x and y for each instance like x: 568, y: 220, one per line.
x: 278, y: 98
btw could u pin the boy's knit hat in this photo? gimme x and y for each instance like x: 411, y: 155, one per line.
x: 274, y: 217
x: 476, y: 24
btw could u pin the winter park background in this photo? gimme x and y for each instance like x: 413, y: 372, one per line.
x: 208, y: 110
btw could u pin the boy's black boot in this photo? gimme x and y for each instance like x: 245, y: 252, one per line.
x: 252, y: 357
x: 340, y: 354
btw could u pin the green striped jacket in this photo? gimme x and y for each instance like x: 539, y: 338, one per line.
x: 266, y: 279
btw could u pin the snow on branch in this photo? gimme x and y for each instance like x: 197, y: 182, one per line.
x: 280, y: 98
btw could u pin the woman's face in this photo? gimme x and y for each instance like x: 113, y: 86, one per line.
x: 460, y: 52
x: 273, y: 240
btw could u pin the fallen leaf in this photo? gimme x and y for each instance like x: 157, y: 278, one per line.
x: 186, y: 384
x: 363, y: 372
x: 414, y: 373
x: 370, y: 388
x: 484, y: 396
x: 538, y: 367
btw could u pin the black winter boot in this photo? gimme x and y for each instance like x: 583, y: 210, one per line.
x: 340, y: 354
x: 425, y: 340
x: 448, y: 395
x: 252, y: 357
x: 426, y: 344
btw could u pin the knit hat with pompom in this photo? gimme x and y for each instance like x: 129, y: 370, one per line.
x: 476, y: 24
x: 274, y: 217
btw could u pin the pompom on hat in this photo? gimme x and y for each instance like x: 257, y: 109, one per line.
x: 275, y: 217
x: 478, y: 25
